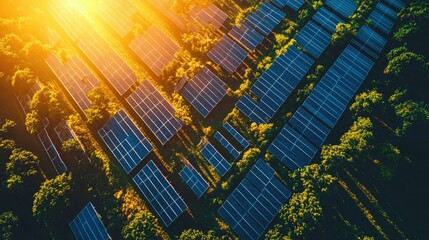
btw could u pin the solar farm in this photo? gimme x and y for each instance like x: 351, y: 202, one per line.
x: 209, y: 135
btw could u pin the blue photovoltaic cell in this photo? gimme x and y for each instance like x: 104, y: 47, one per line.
x: 125, y: 141
x: 160, y: 193
x: 194, y: 180
x: 383, y: 18
x: 313, y: 39
x: 255, y: 202
x: 234, y: 133
x: 220, y: 164
x: 227, y: 54
x: 51, y: 150
x: 155, y: 111
x: 294, y: 4
x: 369, y: 38
x: 397, y: 4
x: 63, y: 131
x: 275, y: 85
x: 265, y: 18
x: 204, y: 91
x: 88, y: 226
x: 344, y: 7
x: 231, y: 149
x: 246, y: 35
x: 327, y: 19
x: 208, y: 15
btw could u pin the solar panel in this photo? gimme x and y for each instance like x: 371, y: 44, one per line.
x: 155, y: 111
x: 228, y: 146
x: 397, y: 4
x: 255, y: 202
x: 125, y: 141
x: 194, y: 180
x: 164, y: 6
x: 24, y: 99
x: 220, y: 164
x: 343, y: 7
x: 51, y: 150
x: 110, y: 64
x: 234, y: 133
x: 383, y: 18
x: 63, y: 131
x: 160, y: 193
x: 275, y: 85
x: 246, y: 35
x: 155, y: 49
x: 75, y: 77
x: 118, y: 15
x: 52, y: 36
x: 313, y: 39
x: 87, y: 225
x: 204, y: 91
x: 227, y: 54
x: 327, y: 19
x: 265, y: 18
x: 70, y: 20
x: 369, y: 41
x: 208, y: 15
x: 294, y: 4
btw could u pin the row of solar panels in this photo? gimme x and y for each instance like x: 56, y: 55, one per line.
x: 300, y: 139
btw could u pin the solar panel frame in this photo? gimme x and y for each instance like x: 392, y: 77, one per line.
x: 204, y: 91
x: 208, y: 15
x: 160, y: 194
x: 51, y: 150
x: 328, y: 19
x: 255, y: 202
x: 265, y: 18
x: 344, y: 8
x: 118, y: 15
x: 246, y: 35
x: 24, y: 99
x: 370, y: 38
x: 70, y: 20
x: 313, y: 39
x: 63, y: 131
x: 381, y: 18
x: 220, y: 164
x: 84, y: 223
x: 125, y: 141
x: 397, y: 4
x: 236, y: 135
x: 227, y: 145
x: 293, y: 4
x: 194, y: 180
x: 227, y: 54
x: 155, y: 48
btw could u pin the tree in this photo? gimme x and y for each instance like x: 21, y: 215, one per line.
x: 8, y: 226
x: 143, y: 226
x: 312, y: 177
x: 411, y: 113
x: 202, y: 41
x: 183, y: 7
x: 388, y: 157
x: 182, y: 66
x: 23, y: 167
x: 262, y: 133
x: 414, y: 18
x: 23, y: 79
x: 358, y: 140
x: 98, y: 113
x: 195, y: 234
x: 343, y: 33
x: 33, y: 122
x: 50, y: 103
x: 52, y: 199
x: 333, y: 157
x: 367, y: 103
x: 404, y: 63
x: 249, y: 157
x: 182, y: 109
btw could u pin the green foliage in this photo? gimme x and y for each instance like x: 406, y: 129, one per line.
x: 23, y: 166
x: 367, y: 103
x: 404, y: 63
x: 33, y: 122
x: 312, y: 177
x: 72, y: 146
x: 8, y: 226
x: 143, y: 226
x: 49, y: 102
x: 194, y: 234
x: 410, y: 113
x: 6, y: 124
x: 52, y: 199
x: 182, y: 109
x: 333, y: 157
x: 98, y: 113
x: 183, y: 65
x: 183, y: 7
x: 262, y: 133
x: 414, y: 19
x: 23, y: 79
x: 202, y: 41
x: 249, y: 157
x: 388, y: 158
x: 343, y: 33
x: 358, y: 140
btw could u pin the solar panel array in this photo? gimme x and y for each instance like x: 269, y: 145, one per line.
x: 154, y: 48
x: 51, y: 150
x: 75, y: 77
x: 275, y: 85
x: 227, y: 54
x: 118, y: 14
x: 265, y: 18
x: 63, y: 131
x: 397, y: 4
x: 70, y: 20
x: 328, y: 19
x: 204, y: 91
x: 110, y: 64
x: 294, y: 4
x: 383, y: 18
x: 228, y: 146
x: 304, y: 134
x: 194, y: 180
x: 220, y: 164
x: 160, y: 194
x: 313, y: 39
x: 255, y: 202
x: 208, y: 15
x: 87, y: 225
x: 343, y: 7
x: 369, y: 41
x: 24, y: 99
x: 155, y: 111
x: 246, y: 35
x: 52, y: 36
x: 235, y: 134
x: 164, y: 6
x: 125, y: 141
